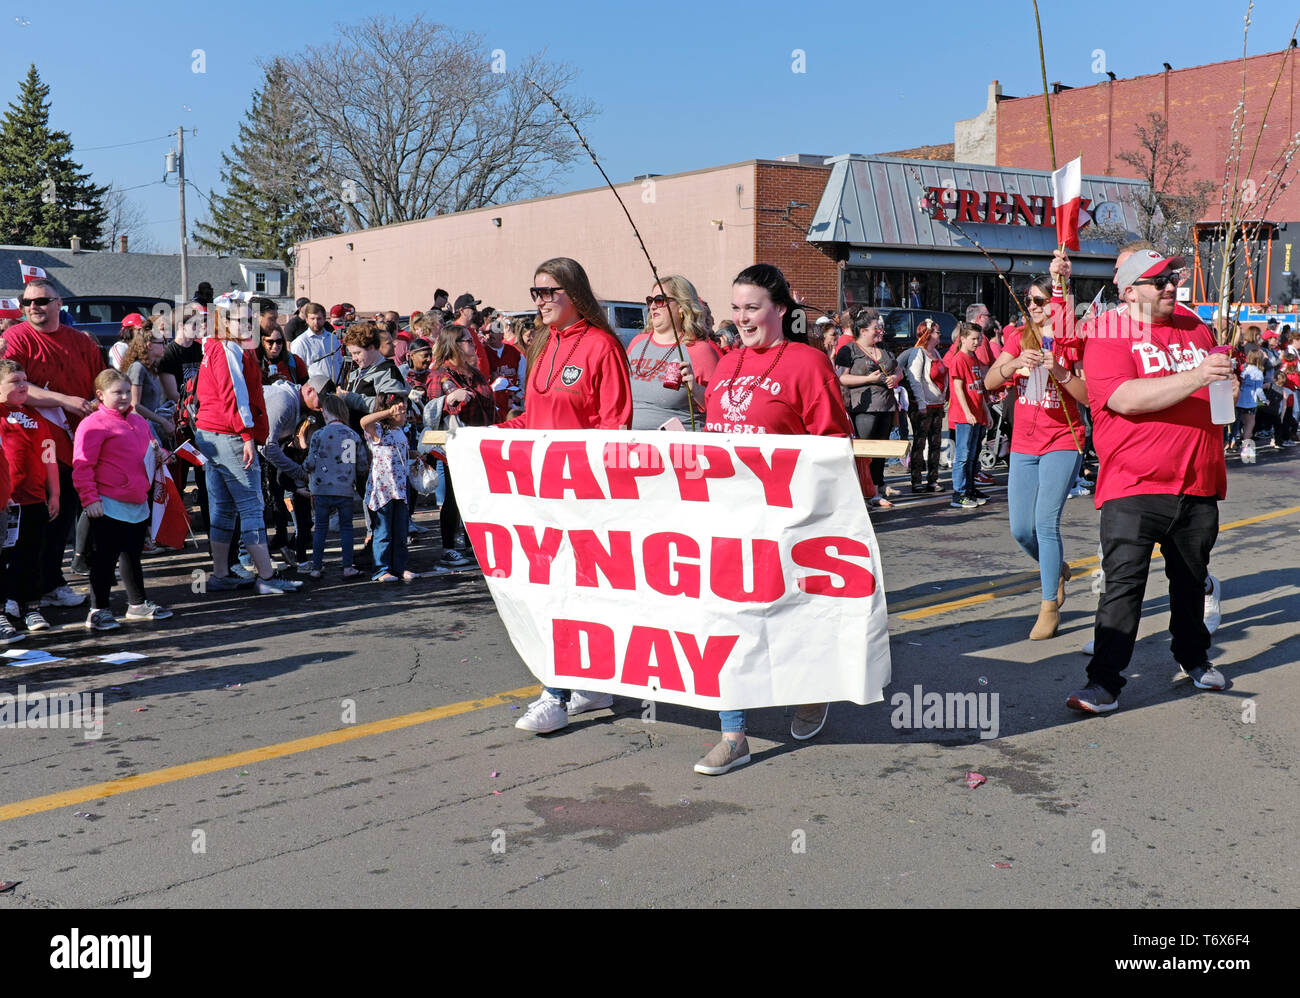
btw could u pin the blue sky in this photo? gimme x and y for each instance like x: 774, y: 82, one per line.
x: 680, y: 86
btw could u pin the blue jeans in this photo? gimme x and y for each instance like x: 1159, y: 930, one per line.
x: 1036, y: 492
x: 390, y: 538
x: 733, y: 721
x: 231, y: 488
x: 322, y: 506
x: 965, y: 457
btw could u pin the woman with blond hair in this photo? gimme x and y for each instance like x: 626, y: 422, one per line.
x: 140, y: 365
x: 663, y: 388
x: 231, y: 423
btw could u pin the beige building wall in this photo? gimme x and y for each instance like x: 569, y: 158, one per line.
x: 699, y: 224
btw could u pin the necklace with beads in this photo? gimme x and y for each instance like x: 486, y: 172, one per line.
x: 550, y: 374
x: 659, y: 365
x: 735, y: 402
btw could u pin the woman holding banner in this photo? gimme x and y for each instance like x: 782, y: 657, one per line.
x: 1047, y: 437
x: 773, y: 352
x: 577, y: 380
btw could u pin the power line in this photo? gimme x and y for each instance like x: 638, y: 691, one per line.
x: 119, y: 145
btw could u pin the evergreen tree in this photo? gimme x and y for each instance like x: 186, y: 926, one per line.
x: 45, y: 197
x: 275, y: 192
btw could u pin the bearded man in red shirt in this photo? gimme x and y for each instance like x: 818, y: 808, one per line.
x: 1161, y: 475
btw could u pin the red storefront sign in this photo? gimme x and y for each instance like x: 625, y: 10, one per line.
x: 996, y: 207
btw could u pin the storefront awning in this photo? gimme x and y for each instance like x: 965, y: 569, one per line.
x: 884, y: 203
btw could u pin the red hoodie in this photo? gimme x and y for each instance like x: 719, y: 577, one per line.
x: 230, y: 391
x: 580, y: 382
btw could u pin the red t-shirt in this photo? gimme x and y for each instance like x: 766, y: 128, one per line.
x: 971, y: 373
x: 1176, y: 451
x: 1042, y: 427
x: 23, y: 434
x: 786, y: 388
x: 66, y: 360
x: 580, y: 382
x: 6, y: 487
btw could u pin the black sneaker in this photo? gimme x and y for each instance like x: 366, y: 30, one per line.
x: 963, y: 502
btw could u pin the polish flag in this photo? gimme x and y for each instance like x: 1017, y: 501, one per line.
x: 10, y: 308
x: 30, y: 273
x: 190, y: 454
x: 1067, y: 191
x: 170, y: 525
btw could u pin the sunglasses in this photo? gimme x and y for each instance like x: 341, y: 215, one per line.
x: 37, y: 302
x: 544, y: 294
x: 266, y: 340
x: 1163, y: 281
x: 1038, y: 300
x: 660, y: 300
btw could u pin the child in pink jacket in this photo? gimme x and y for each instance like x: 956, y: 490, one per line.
x: 109, y: 472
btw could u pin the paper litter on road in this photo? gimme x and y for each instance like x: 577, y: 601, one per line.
x: 974, y: 780
x: 30, y: 657
x: 121, y: 657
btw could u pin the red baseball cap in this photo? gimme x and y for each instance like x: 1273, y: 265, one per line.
x: 338, y: 311
x: 133, y: 321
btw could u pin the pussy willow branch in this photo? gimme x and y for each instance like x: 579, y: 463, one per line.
x: 681, y: 356
x: 1234, y: 208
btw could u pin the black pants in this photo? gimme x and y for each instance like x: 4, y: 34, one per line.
x: 449, y: 521
x: 873, y: 426
x: 1185, y: 527
x: 927, y: 432
x: 57, y: 532
x: 275, y: 485
x: 20, y: 576
x: 114, y: 543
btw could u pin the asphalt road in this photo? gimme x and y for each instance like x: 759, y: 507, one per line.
x: 353, y: 745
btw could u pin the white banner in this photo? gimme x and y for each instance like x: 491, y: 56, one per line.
x: 712, y: 570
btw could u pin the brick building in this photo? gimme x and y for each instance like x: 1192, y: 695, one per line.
x: 1097, y: 122
x: 707, y: 225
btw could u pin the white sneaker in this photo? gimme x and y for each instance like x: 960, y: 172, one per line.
x: 65, y: 595
x: 1248, y: 452
x: 1213, y: 608
x: 544, y: 715
x: 580, y: 701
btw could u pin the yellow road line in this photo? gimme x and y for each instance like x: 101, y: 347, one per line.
x: 202, y: 767
x: 1022, y: 582
x: 945, y: 607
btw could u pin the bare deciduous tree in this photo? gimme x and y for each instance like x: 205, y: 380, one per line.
x: 412, y: 120
x: 1172, y: 202
x: 123, y: 217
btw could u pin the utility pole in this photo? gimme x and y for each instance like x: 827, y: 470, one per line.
x: 180, y: 186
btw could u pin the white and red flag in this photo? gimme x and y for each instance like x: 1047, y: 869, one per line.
x: 10, y: 308
x: 30, y: 273
x: 188, y: 453
x: 171, y: 525
x: 1067, y: 192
